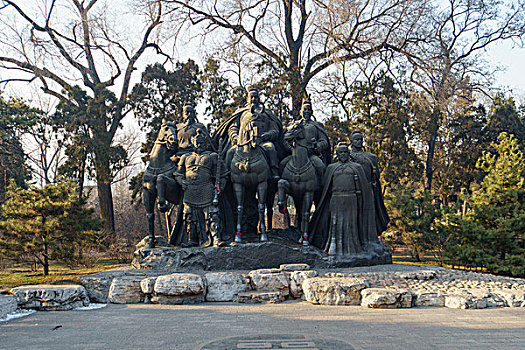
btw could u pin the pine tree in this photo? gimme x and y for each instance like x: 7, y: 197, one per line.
x: 49, y: 223
x: 492, y: 231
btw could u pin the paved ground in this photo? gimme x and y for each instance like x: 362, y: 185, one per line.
x: 309, y: 326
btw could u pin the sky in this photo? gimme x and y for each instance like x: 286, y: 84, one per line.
x: 512, y: 59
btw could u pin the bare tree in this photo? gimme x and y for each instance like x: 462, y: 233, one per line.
x: 65, y: 43
x: 450, y: 64
x: 304, y: 38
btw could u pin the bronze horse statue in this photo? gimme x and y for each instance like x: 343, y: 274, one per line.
x: 299, y: 179
x: 250, y: 169
x: 158, y: 178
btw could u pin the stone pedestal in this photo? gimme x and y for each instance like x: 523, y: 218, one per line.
x: 248, y: 256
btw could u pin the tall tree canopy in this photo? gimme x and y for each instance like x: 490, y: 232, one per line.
x: 303, y: 38
x: 67, y: 45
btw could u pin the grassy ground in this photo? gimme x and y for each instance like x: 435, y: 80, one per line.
x: 401, y: 256
x: 58, y: 274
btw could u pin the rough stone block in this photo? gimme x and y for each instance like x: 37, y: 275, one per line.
x: 270, y: 280
x: 382, y: 298
x: 177, y: 284
x: 513, y: 298
x: 260, y: 297
x: 494, y: 300
x: 51, y: 298
x: 97, y: 284
x: 126, y: 290
x: 147, y: 285
x: 334, y: 291
x: 294, y: 267
x: 464, y: 301
x: 8, y: 305
x: 296, y: 279
x: 224, y: 286
x: 429, y: 299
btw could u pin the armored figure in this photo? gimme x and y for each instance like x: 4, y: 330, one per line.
x: 371, y: 167
x: 269, y: 129
x: 344, y: 221
x: 316, y: 138
x: 196, y: 173
x: 188, y: 128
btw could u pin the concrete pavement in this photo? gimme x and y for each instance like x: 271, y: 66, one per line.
x: 291, y: 325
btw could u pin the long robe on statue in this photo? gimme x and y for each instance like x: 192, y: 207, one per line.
x: 370, y: 164
x: 345, y: 211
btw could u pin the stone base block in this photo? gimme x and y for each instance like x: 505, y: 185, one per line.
x: 8, y: 305
x: 224, y: 286
x: 270, y: 280
x: 147, y: 285
x: 334, y: 291
x: 464, y: 301
x: 51, y: 298
x: 513, y: 298
x: 260, y: 297
x: 126, y: 290
x: 296, y: 279
x: 177, y: 284
x: 382, y: 298
x: 429, y: 299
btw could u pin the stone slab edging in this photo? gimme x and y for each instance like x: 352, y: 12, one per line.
x: 372, y: 287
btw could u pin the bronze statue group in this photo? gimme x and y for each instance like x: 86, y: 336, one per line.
x: 224, y: 183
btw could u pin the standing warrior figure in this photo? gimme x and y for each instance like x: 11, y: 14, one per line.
x: 370, y: 164
x: 344, y: 220
x: 196, y: 173
x: 270, y: 130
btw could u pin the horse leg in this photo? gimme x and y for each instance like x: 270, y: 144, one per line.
x: 163, y: 182
x: 307, y: 205
x: 283, y: 187
x: 149, y: 194
x: 239, y: 195
x: 262, y: 190
x: 298, y: 203
x: 269, y: 206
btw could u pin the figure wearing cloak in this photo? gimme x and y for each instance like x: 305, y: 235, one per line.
x: 344, y: 220
x: 271, y: 131
x: 317, y: 142
x: 370, y: 165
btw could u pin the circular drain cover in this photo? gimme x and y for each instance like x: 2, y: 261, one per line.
x: 277, y: 341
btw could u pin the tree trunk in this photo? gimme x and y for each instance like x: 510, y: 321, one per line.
x: 46, y: 260
x: 429, y: 165
x: 105, y: 200
x: 105, y: 196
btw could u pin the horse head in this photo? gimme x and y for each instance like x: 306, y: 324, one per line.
x: 167, y: 136
x: 295, y: 132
